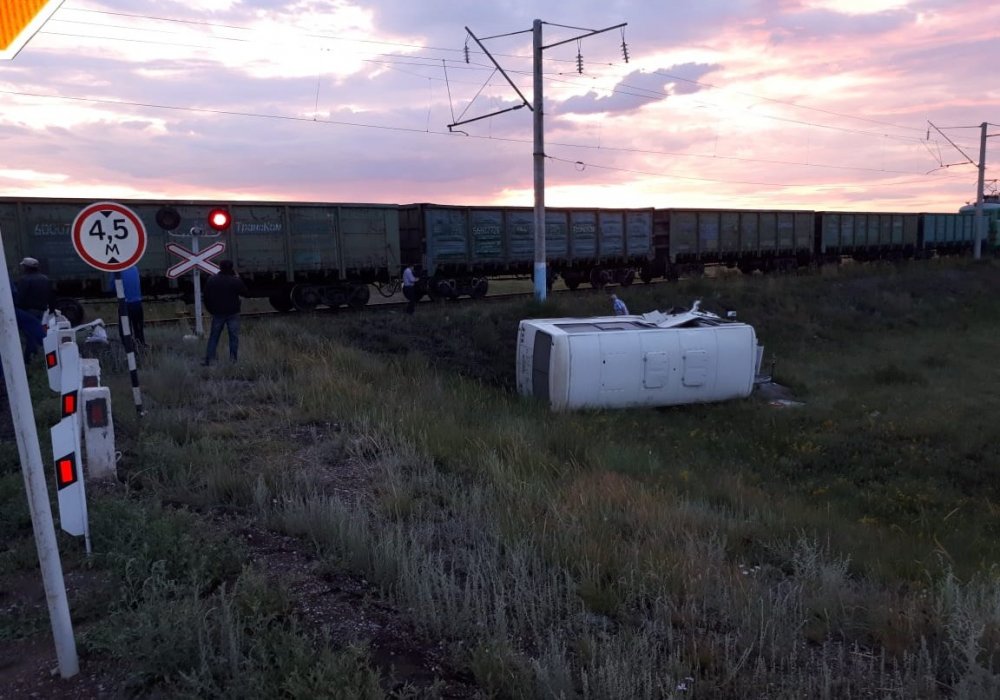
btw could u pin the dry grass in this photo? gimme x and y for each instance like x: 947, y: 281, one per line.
x: 840, y: 550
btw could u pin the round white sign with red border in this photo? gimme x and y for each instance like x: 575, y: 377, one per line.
x: 109, y: 236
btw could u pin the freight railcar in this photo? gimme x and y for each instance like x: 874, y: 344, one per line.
x: 297, y: 255
x: 868, y: 236
x: 688, y: 239
x: 461, y: 247
x: 946, y: 234
x: 304, y: 255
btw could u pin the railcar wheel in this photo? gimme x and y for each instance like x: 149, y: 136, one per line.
x: 480, y: 286
x: 71, y: 309
x: 572, y: 279
x: 359, y: 296
x: 628, y: 278
x: 599, y: 278
x: 280, y: 301
x: 304, y: 297
x: 445, y: 288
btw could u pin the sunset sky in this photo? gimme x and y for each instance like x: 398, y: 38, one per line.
x: 811, y: 104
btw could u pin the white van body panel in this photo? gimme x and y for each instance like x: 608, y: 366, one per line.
x: 624, y: 361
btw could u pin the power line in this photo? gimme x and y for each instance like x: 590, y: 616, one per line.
x: 335, y: 122
x: 450, y: 50
x: 413, y: 60
x: 634, y: 171
x: 792, y: 104
x: 654, y: 96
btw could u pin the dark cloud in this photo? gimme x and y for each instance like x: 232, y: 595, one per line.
x: 640, y: 88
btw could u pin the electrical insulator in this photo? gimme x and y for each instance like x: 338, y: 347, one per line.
x: 466, y: 50
x: 579, y: 62
x: 625, y: 51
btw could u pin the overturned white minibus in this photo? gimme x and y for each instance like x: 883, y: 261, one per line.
x: 654, y: 359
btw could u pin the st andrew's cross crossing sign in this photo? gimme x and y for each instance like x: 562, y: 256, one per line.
x: 191, y: 260
x: 19, y: 20
x: 109, y: 236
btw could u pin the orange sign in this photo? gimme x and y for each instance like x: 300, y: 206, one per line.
x: 19, y: 20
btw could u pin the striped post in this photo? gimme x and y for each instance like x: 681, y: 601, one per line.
x: 129, y: 343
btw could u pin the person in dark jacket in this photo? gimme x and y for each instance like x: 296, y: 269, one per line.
x: 30, y: 328
x: 222, y: 299
x: 34, y: 290
x: 34, y: 335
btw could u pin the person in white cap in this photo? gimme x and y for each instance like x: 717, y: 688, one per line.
x: 34, y: 290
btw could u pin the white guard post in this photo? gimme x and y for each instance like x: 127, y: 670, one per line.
x: 54, y: 335
x: 98, y: 426
x: 95, y: 400
x: 66, y: 452
x: 58, y: 333
x: 29, y: 452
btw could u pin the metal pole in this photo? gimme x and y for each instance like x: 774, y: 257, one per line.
x: 129, y: 344
x: 541, y: 269
x: 30, y: 454
x: 978, y: 247
x: 198, y: 328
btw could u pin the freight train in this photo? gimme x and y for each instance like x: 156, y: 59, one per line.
x: 304, y: 255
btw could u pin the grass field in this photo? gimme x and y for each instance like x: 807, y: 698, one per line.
x: 846, y: 548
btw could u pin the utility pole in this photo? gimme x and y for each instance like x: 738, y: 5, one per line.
x: 538, y: 151
x: 978, y: 221
x: 977, y: 248
x: 541, y: 271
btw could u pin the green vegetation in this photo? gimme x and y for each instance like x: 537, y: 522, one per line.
x: 846, y: 548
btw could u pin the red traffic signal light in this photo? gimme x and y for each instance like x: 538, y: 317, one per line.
x: 219, y: 219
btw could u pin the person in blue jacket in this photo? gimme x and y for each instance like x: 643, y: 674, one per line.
x: 133, y: 304
x: 618, y: 306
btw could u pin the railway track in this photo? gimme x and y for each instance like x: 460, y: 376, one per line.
x: 378, y: 307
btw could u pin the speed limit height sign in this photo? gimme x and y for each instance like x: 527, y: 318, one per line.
x: 109, y: 236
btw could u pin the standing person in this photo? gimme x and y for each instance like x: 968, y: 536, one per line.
x: 34, y: 290
x: 133, y: 304
x: 410, y: 280
x: 34, y: 336
x: 222, y: 299
x: 619, y: 306
x: 31, y: 329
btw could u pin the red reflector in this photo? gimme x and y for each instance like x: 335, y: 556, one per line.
x: 69, y: 404
x: 51, y: 359
x: 89, y: 381
x: 97, y: 413
x: 66, y: 471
